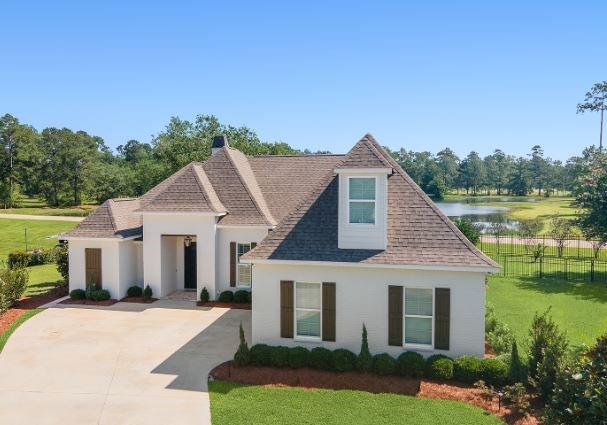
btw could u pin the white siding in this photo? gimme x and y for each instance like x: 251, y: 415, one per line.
x: 109, y: 260
x: 225, y: 235
x: 129, y: 266
x: 362, y: 297
x: 363, y: 236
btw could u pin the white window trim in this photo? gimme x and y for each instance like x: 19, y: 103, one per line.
x: 348, y: 200
x: 306, y: 338
x: 418, y: 346
x: 238, y: 263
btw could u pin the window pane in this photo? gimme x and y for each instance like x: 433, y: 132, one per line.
x: 308, y: 323
x: 244, y: 274
x: 362, y: 212
x: 418, y: 330
x: 418, y: 302
x: 308, y: 295
x: 362, y: 188
x: 243, y: 248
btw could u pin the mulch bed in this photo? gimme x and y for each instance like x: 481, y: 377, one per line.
x: 140, y: 300
x: 105, y: 303
x: 29, y: 303
x: 313, y: 378
x: 241, y: 306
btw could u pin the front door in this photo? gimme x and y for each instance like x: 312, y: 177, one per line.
x: 189, y: 266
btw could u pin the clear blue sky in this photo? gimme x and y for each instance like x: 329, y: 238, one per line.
x: 422, y: 75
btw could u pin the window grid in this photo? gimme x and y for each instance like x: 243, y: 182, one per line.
x: 311, y: 329
x: 415, y: 317
x: 361, y: 200
x: 244, y: 270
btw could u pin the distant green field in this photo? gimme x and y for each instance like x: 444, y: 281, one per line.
x: 40, y: 234
x: 70, y: 212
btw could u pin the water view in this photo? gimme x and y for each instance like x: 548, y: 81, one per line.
x: 483, y: 215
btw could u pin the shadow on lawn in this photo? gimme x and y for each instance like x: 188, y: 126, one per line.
x: 591, y: 291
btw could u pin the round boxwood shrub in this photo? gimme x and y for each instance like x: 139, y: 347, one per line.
x: 320, y: 358
x: 204, y: 295
x: 494, y: 371
x: 441, y: 369
x: 410, y: 364
x: 279, y: 356
x: 226, y: 297
x: 100, y: 295
x: 147, y: 292
x: 343, y: 360
x: 260, y: 355
x: 467, y: 369
x: 384, y: 364
x: 241, y: 296
x: 134, y: 291
x: 298, y: 357
x: 77, y: 294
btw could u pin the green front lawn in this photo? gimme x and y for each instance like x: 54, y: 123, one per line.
x: 235, y: 404
x: 580, y: 308
x: 40, y: 234
x: 42, y: 279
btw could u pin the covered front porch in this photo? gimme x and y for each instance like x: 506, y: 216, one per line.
x: 179, y: 268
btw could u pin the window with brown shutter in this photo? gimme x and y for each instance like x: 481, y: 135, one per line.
x: 395, y: 315
x: 286, y: 309
x: 93, y: 267
x: 328, y: 311
x: 232, y: 263
x: 442, y: 318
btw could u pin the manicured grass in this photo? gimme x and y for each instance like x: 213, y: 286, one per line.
x: 580, y: 308
x: 72, y: 212
x: 42, y: 279
x: 8, y: 332
x: 40, y: 234
x: 234, y: 404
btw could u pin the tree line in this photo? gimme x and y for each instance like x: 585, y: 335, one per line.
x: 67, y: 167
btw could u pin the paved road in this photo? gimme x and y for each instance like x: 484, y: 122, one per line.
x: 125, y: 364
x: 42, y: 217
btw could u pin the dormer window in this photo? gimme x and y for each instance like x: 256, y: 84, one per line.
x: 361, y: 199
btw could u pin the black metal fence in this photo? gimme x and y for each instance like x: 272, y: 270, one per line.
x: 543, y: 245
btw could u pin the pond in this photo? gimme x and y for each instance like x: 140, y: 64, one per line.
x: 483, y: 215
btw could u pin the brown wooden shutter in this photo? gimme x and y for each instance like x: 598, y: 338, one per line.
x: 328, y: 311
x: 286, y: 309
x: 232, y: 263
x: 395, y: 315
x: 442, y: 315
x: 93, y: 266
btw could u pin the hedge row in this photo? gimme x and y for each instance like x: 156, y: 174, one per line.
x: 240, y: 297
x: 466, y: 369
x: 21, y: 258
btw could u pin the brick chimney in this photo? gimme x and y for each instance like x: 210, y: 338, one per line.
x: 218, y: 143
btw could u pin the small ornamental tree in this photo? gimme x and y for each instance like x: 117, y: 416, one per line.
x: 364, y: 361
x: 517, y: 371
x: 561, y: 231
x: 204, y: 295
x: 469, y: 229
x: 147, y: 292
x: 242, y: 356
x: 62, y: 261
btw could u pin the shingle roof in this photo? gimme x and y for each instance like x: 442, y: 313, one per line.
x: 418, y: 232
x: 113, y: 219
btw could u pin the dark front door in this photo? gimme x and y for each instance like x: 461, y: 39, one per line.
x: 189, y: 267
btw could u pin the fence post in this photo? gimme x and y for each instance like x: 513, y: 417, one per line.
x: 566, y: 270
x: 592, y: 270
x: 541, y: 266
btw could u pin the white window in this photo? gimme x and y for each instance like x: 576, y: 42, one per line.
x: 308, y: 301
x: 244, y: 270
x: 419, y: 323
x: 361, y: 199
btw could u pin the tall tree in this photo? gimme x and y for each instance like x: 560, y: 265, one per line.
x: 537, y: 168
x: 595, y: 101
x: 591, y: 197
x: 472, y: 172
x: 519, y: 183
x: 448, y: 167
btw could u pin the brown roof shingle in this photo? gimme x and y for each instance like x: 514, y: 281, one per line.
x: 113, y: 219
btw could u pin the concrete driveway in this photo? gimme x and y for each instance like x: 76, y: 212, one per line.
x: 125, y: 364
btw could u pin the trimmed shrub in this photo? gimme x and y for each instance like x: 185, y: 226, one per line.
x: 204, y: 295
x: 100, y: 295
x: 259, y: 354
x: 226, y: 297
x: 18, y: 258
x: 517, y: 372
x: 279, y: 356
x: 343, y: 360
x: 147, y: 292
x: 77, y: 294
x: 134, y: 291
x: 62, y: 261
x: 384, y: 364
x: 364, y: 361
x: 243, y: 355
x: 431, y: 360
x: 36, y: 257
x: 441, y: 369
x: 494, y: 371
x: 12, y: 285
x: 410, y: 364
x: 298, y: 357
x: 320, y: 358
x: 241, y: 296
x: 467, y: 369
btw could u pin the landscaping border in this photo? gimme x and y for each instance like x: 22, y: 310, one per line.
x: 28, y: 303
x: 104, y: 303
x: 219, y: 304
x: 5, y: 335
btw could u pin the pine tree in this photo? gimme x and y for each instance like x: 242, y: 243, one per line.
x: 242, y: 355
x: 517, y: 372
x: 364, y: 361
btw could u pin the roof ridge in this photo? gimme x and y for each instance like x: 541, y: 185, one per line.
x: 432, y: 205
x: 267, y: 215
x: 305, y: 155
x: 208, y: 192
x: 111, y: 214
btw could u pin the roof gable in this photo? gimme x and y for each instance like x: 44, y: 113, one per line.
x: 365, y: 154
